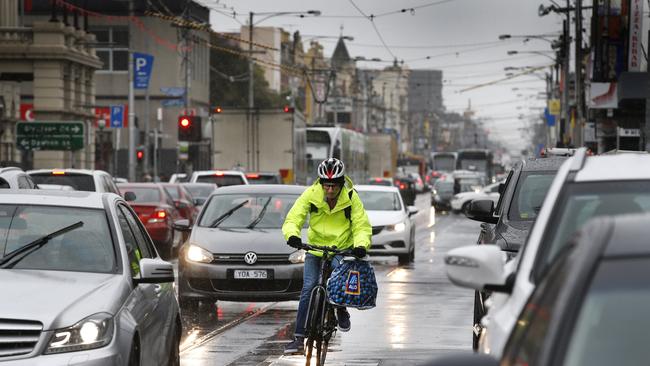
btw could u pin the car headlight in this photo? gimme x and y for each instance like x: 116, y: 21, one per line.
x: 198, y: 254
x: 297, y: 257
x: 398, y: 228
x: 93, y: 332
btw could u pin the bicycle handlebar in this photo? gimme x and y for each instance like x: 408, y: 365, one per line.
x: 325, y: 249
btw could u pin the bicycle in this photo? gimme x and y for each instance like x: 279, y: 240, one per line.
x: 321, y: 320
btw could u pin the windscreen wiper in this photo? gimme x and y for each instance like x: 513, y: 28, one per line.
x: 259, y: 217
x: 6, y: 261
x: 227, y: 214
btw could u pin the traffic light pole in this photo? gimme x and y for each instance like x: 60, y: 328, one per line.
x: 251, y: 93
x: 132, y: 132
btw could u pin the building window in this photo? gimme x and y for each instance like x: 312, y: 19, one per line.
x: 113, y: 48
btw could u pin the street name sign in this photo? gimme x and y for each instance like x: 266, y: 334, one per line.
x: 50, y: 135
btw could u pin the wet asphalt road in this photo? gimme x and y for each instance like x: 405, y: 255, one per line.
x: 419, y: 313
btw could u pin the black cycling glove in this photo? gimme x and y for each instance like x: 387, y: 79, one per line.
x: 294, y: 242
x: 359, y: 252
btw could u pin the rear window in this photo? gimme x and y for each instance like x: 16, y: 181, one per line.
x: 173, y: 191
x: 221, y: 180
x: 80, y: 182
x: 200, y: 191
x: 143, y: 195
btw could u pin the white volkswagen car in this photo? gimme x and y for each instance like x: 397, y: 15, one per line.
x: 81, y: 283
x: 393, y: 231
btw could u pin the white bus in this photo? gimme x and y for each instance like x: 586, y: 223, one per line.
x: 336, y: 142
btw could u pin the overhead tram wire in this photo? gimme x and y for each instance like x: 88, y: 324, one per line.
x: 374, y: 26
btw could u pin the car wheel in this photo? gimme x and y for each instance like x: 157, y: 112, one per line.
x: 465, y: 207
x: 479, y: 312
x: 412, y: 247
x: 134, y: 354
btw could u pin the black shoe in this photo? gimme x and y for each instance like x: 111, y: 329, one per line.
x: 297, y: 346
x: 343, y: 318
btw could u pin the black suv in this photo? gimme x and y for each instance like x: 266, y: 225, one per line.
x: 508, y: 224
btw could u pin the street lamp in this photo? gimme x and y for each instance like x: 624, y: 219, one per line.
x: 527, y: 37
x: 541, y: 53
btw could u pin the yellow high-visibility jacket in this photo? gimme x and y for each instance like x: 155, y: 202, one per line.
x: 329, y: 227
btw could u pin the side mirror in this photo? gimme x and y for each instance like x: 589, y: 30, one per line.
x: 463, y: 359
x: 155, y: 270
x: 479, y: 267
x: 502, y: 188
x: 481, y: 210
x: 129, y: 196
x: 181, y: 225
x: 412, y: 210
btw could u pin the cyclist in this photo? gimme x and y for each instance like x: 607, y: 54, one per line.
x: 336, y: 217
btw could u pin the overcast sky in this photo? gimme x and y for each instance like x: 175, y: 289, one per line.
x: 460, y: 37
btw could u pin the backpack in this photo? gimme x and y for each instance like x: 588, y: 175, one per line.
x: 353, y: 284
x: 347, y: 210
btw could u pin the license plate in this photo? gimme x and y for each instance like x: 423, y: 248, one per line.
x: 250, y: 274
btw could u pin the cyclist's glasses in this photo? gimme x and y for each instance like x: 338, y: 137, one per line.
x: 328, y: 186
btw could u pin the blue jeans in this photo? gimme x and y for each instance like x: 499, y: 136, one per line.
x: 310, y: 280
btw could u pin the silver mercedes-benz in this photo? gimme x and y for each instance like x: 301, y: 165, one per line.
x: 237, y: 252
x: 81, y: 283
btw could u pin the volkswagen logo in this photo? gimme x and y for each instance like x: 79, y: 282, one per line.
x: 250, y: 258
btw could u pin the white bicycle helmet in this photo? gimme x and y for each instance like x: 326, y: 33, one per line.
x: 331, y: 168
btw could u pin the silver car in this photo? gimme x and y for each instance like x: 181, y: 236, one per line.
x: 237, y: 251
x: 81, y: 283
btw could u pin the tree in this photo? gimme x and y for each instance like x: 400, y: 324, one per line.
x: 229, y: 79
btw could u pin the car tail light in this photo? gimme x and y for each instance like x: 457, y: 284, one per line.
x: 252, y: 176
x: 158, y: 216
x: 402, y: 186
x: 57, y: 172
x: 378, y: 180
x: 218, y: 173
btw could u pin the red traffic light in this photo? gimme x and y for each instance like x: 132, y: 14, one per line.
x: 218, y: 110
x: 288, y: 109
x: 184, y: 122
x: 139, y: 154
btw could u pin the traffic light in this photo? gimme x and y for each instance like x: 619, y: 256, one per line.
x: 189, y: 128
x: 139, y: 154
x: 218, y: 109
x: 288, y: 109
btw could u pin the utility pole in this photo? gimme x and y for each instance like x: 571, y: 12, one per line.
x: 132, y: 131
x: 579, y: 100
x: 251, y: 85
x: 566, y: 111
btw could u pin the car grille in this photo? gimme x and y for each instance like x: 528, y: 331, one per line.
x: 377, y: 229
x: 18, y: 337
x: 256, y: 285
x: 261, y: 258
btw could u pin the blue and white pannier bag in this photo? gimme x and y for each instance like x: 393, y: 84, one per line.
x: 353, y: 284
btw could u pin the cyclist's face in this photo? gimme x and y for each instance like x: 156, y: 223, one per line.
x: 331, y: 190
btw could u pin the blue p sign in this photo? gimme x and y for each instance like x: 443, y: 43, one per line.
x: 143, y: 63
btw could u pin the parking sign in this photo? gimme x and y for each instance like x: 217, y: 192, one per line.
x: 143, y: 63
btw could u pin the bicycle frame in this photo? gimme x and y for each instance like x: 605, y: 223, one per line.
x: 320, y: 322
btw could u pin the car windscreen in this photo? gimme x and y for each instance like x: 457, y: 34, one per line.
x: 269, y: 210
x: 580, y: 202
x: 173, y: 191
x: 612, y: 321
x: 221, y: 180
x: 80, y: 182
x: 444, y: 186
x: 529, y: 195
x: 88, y: 248
x: 143, y: 194
x: 380, y: 201
x: 200, y: 191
